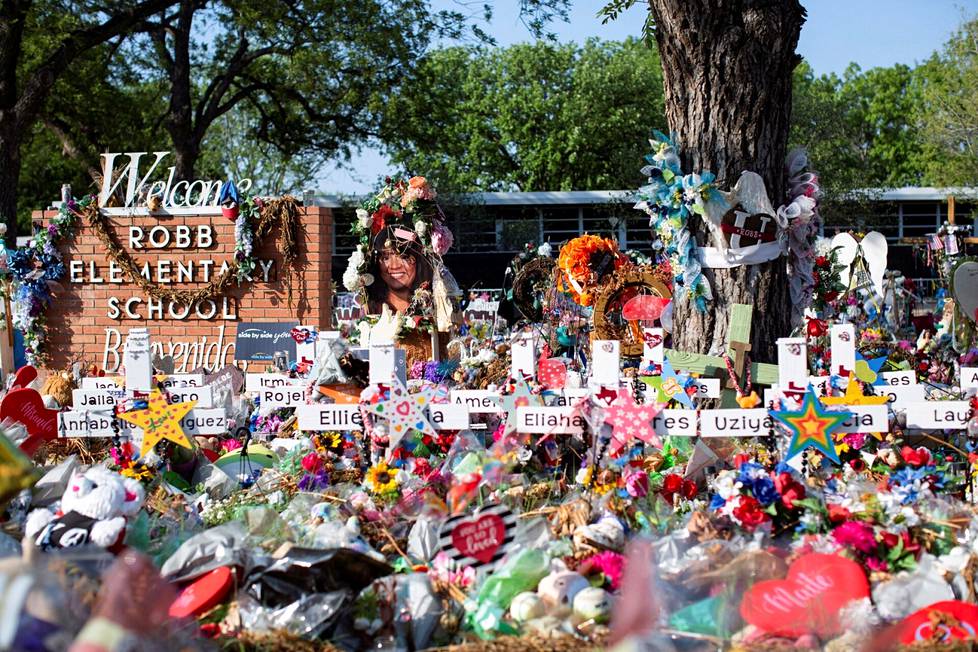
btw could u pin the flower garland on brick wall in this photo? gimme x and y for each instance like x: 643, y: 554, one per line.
x: 34, y: 272
x: 34, y: 269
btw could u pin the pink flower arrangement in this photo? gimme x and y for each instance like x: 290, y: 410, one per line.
x: 418, y: 188
x: 636, y: 483
x: 607, y: 563
x: 312, y: 463
x: 441, y: 239
x: 229, y: 445
x: 856, y: 534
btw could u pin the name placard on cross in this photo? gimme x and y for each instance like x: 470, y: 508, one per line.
x: 738, y: 345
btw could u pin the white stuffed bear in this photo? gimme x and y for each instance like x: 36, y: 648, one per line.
x: 93, y: 510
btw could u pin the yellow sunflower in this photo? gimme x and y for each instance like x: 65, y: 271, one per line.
x: 326, y: 441
x: 380, y: 479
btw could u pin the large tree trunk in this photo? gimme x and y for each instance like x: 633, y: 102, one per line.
x: 727, y: 74
x: 9, y: 177
x: 180, y: 117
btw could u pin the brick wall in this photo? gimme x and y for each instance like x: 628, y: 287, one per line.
x: 80, y: 327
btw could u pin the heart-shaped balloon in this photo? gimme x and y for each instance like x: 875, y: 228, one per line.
x: 24, y: 377
x: 874, y: 248
x: 552, y: 373
x: 965, y: 283
x: 846, y: 249
x: 479, y: 537
x: 25, y: 405
x: 644, y: 307
x: 808, y: 600
x: 919, y: 626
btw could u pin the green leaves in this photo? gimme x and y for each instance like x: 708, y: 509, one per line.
x: 528, y: 117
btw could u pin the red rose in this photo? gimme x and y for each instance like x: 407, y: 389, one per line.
x: 891, y: 540
x: 915, y: 457
x: 821, y: 261
x: 672, y: 484
x: 749, y: 512
x: 790, y: 489
x: 381, y: 217
x: 831, y: 296
x: 816, y: 328
x: 838, y: 513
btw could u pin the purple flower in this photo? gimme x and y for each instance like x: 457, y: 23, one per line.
x: 52, y: 230
x: 314, y: 482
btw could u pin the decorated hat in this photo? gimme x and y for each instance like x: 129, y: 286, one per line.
x: 406, y: 217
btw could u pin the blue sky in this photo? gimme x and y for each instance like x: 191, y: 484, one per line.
x: 870, y: 33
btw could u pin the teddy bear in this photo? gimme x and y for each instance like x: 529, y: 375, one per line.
x: 93, y: 510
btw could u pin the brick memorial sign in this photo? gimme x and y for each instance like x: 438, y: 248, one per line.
x: 179, y: 247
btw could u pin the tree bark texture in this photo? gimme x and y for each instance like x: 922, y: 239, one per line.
x: 727, y: 68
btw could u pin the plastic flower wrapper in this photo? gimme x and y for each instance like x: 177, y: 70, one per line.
x: 304, y: 590
x: 402, y: 609
x: 17, y: 472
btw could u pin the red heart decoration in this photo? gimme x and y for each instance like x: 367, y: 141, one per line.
x: 808, y: 600
x: 26, y: 406
x: 644, y: 307
x: 403, y: 408
x: 653, y: 339
x: 480, y: 537
x: 552, y: 373
x: 918, y: 626
x: 24, y: 377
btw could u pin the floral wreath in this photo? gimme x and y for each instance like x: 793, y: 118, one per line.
x: 584, y: 261
x: 34, y: 269
x: 410, y: 204
x: 670, y: 198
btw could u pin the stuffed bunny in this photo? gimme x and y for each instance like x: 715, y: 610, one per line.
x: 93, y: 510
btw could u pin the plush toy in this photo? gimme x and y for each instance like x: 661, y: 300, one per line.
x: 593, y: 603
x: 526, y: 606
x: 559, y: 588
x: 93, y: 510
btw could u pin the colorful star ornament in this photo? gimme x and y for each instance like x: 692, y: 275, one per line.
x: 674, y: 385
x: 868, y: 371
x: 404, y: 411
x: 160, y: 420
x: 811, y: 426
x: 520, y: 397
x: 630, y: 421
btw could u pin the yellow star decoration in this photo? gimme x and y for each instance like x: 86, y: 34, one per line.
x: 160, y: 420
x: 854, y: 396
x: 811, y: 426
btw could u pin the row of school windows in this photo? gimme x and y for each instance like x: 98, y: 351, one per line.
x: 509, y: 228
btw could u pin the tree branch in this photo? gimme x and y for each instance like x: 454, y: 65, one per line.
x: 38, y: 86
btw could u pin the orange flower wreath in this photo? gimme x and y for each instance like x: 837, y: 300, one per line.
x: 583, y: 261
